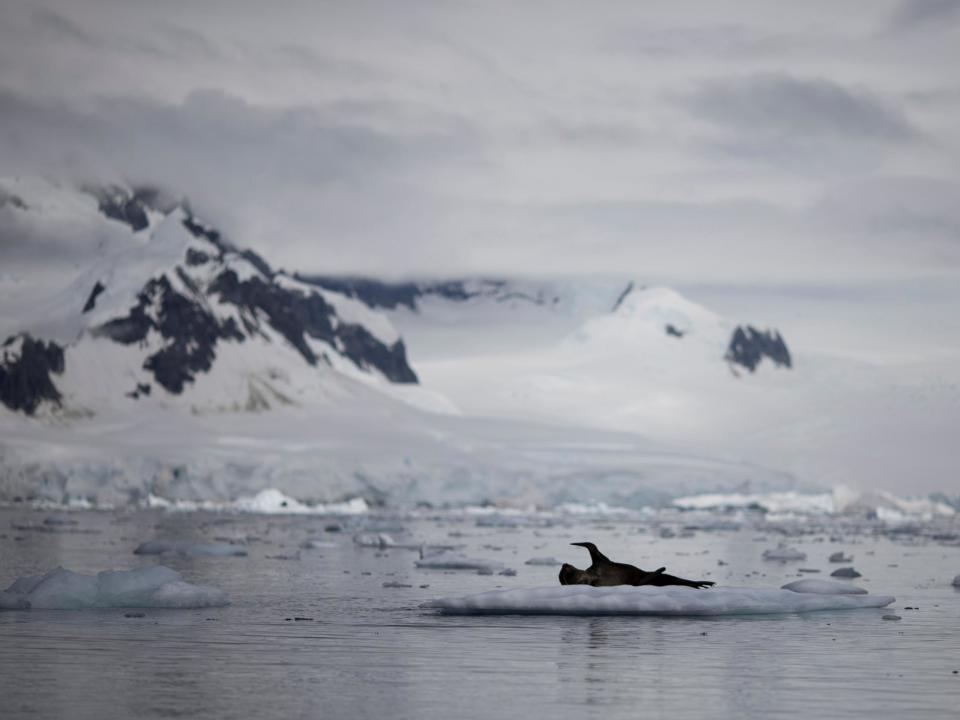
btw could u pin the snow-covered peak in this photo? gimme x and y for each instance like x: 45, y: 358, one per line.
x: 155, y: 302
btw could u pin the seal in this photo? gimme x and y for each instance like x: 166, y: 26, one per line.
x: 603, y: 572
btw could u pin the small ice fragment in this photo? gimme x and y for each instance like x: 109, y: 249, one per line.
x: 393, y: 584
x: 316, y: 545
x: 189, y: 548
x: 839, y: 557
x: 823, y: 587
x: 847, y: 572
x: 956, y: 581
x: 450, y: 560
x: 784, y: 554
x: 891, y: 617
x: 377, y: 540
x: 508, y: 572
x: 547, y: 561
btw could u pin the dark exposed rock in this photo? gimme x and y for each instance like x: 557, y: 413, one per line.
x: 372, y: 292
x: 25, y: 378
x: 297, y: 316
x: 191, y: 330
x: 391, y: 295
x: 672, y: 331
x: 119, y: 204
x: 92, y: 299
x: 196, y: 257
x: 623, y: 296
x: 749, y: 346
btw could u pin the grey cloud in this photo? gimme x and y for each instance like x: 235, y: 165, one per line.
x: 784, y: 106
x: 916, y: 14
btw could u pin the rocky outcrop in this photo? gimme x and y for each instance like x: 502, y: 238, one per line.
x: 25, y: 368
x: 749, y: 346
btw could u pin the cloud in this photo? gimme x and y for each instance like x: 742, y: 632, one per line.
x: 786, y: 107
x: 916, y: 14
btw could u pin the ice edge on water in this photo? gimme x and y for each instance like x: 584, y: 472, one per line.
x: 671, y: 601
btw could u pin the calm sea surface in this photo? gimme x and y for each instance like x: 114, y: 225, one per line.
x: 372, y: 652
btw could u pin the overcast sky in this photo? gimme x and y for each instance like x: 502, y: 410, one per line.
x: 708, y: 142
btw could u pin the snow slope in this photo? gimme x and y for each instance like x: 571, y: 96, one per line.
x: 828, y: 420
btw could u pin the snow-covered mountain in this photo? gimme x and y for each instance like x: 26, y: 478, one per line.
x: 166, y: 310
x: 147, y: 357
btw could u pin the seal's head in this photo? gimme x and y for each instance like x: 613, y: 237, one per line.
x: 569, y: 575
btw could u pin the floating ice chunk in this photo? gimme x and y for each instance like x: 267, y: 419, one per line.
x: 377, y: 540
x: 846, y: 572
x: 784, y: 554
x: 548, y: 561
x: 956, y: 581
x: 317, y: 544
x: 149, y: 587
x: 649, y: 600
x: 839, y: 557
x: 450, y: 560
x: 189, y: 548
x: 824, y: 587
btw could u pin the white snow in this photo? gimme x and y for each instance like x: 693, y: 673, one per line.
x: 823, y: 587
x: 647, y: 600
x: 149, y: 587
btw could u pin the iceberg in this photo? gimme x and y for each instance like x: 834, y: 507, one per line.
x: 649, y: 600
x: 149, y: 587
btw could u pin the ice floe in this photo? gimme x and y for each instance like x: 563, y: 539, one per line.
x: 149, y: 587
x: 784, y: 554
x: 824, y: 587
x: 450, y: 560
x: 648, y: 600
x: 189, y: 548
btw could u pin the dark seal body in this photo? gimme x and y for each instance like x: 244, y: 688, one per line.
x: 603, y: 572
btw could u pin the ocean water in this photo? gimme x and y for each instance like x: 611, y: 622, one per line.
x: 369, y: 651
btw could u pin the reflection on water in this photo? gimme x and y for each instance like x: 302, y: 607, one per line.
x: 370, y: 651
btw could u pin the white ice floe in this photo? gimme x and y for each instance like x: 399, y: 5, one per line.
x: 648, y: 600
x: 149, y: 587
x: 189, y: 548
x: 824, y: 587
x: 784, y: 554
x: 548, y: 561
x: 457, y: 561
x: 377, y: 540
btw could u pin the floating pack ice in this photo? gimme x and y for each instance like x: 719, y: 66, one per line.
x: 149, y: 587
x: 649, y: 600
x: 189, y: 548
x: 824, y: 587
